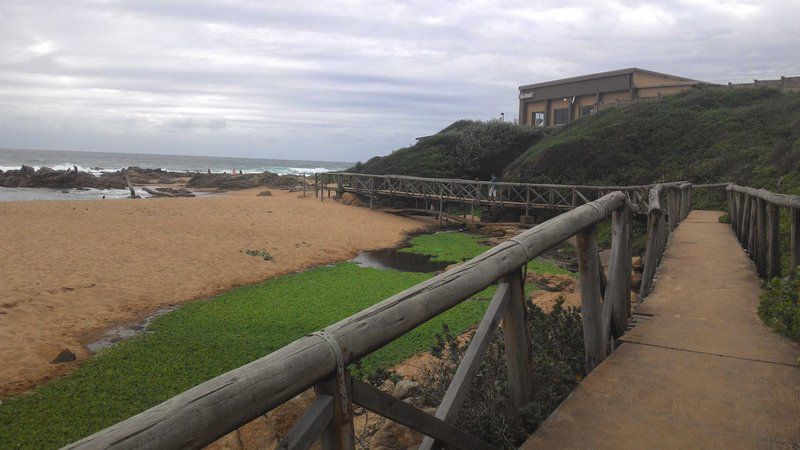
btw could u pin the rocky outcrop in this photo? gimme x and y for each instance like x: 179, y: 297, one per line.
x: 227, y: 182
x: 46, y: 177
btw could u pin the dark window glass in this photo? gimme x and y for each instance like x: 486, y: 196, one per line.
x: 587, y: 110
x: 560, y: 116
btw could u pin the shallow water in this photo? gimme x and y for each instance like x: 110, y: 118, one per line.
x: 115, y: 335
x: 392, y: 259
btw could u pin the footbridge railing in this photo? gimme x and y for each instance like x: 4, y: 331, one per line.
x: 320, y: 360
x: 525, y: 196
x: 755, y: 218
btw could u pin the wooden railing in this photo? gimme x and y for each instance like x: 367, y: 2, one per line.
x: 755, y: 218
x: 668, y: 205
x: 525, y: 196
x: 320, y: 360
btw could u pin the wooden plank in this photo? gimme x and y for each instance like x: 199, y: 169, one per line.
x: 403, y: 413
x: 470, y: 363
x: 210, y: 410
x: 338, y: 434
x: 310, y: 425
x: 761, y: 237
x: 773, y: 241
x: 516, y: 335
x: 462, y: 380
x: 794, y: 248
x: 591, y: 303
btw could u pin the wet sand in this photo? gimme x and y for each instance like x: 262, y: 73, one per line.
x: 73, y: 269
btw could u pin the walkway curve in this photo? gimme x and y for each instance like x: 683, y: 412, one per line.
x: 702, y: 371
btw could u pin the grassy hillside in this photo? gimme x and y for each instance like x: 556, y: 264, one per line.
x: 749, y: 136
x: 465, y: 149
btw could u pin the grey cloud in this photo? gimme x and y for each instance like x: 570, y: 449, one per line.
x: 340, y: 81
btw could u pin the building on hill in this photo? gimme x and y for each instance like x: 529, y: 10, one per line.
x: 558, y: 102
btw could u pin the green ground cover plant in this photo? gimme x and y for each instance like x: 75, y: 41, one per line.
x: 203, y: 339
x: 447, y: 246
x: 780, y: 306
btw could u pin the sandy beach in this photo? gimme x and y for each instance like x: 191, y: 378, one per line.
x: 71, y: 270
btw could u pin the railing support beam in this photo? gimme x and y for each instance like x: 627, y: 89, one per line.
x: 591, y: 302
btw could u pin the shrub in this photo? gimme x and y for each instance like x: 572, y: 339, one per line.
x: 558, y: 367
x: 780, y: 306
x: 466, y: 149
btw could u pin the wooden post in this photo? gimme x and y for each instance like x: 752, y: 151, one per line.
x: 371, y: 191
x: 794, y: 216
x: 732, y: 201
x: 751, y: 239
x: 761, y: 236
x: 516, y: 335
x: 441, y: 216
x: 615, y: 317
x: 773, y: 241
x: 744, y: 226
x: 316, y: 185
x: 339, y: 186
x: 304, y: 186
x: 338, y: 435
x: 650, y: 254
x: 591, y: 306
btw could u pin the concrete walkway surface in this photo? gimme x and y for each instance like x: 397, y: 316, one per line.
x: 702, y: 371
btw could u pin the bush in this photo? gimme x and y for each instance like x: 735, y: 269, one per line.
x: 706, y: 135
x: 724, y: 218
x: 466, y: 149
x: 780, y: 306
x: 558, y: 367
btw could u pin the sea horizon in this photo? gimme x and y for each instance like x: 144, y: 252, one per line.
x: 100, y: 162
x: 97, y: 163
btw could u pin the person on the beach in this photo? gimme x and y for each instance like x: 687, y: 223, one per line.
x: 493, y: 187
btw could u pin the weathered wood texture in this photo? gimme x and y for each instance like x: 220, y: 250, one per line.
x: 310, y: 426
x: 591, y: 301
x: 403, y: 413
x: 757, y: 214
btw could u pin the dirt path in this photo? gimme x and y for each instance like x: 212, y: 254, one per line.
x: 72, y: 269
x: 702, y: 372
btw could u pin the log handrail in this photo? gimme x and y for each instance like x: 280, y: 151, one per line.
x: 755, y: 218
x: 218, y: 406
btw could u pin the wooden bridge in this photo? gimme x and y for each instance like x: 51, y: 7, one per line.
x: 437, y: 192
x: 699, y: 371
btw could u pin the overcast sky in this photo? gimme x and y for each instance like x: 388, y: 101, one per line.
x: 340, y: 81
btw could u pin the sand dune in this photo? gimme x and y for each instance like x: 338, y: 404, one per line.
x: 69, y: 270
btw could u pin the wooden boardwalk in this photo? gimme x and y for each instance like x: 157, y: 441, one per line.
x: 701, y: 371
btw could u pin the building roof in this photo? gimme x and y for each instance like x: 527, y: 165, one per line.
x: 611, y: 73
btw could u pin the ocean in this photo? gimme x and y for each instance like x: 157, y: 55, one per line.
x: 99, y: 162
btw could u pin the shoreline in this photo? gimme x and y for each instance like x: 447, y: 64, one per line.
x: 74, y: 309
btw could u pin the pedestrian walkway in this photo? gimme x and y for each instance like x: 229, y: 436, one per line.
x: 701, y: 371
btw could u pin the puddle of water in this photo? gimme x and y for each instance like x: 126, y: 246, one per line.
x: 128, y: 331
x: 392, y: 259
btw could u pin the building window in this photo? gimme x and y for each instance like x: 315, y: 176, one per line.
x: 537, y: 119
x: 560, y: 116
x: 587, y: 110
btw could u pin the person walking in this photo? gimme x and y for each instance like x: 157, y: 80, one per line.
x: 493, y: 188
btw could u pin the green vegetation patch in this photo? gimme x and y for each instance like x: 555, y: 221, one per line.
x: 204, y: 339
x: 465, y: 149
x: 714, y: 134
x: 447, y: 246
x: 780, y: 306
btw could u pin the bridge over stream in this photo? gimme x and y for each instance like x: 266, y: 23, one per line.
x: 691, y: 366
